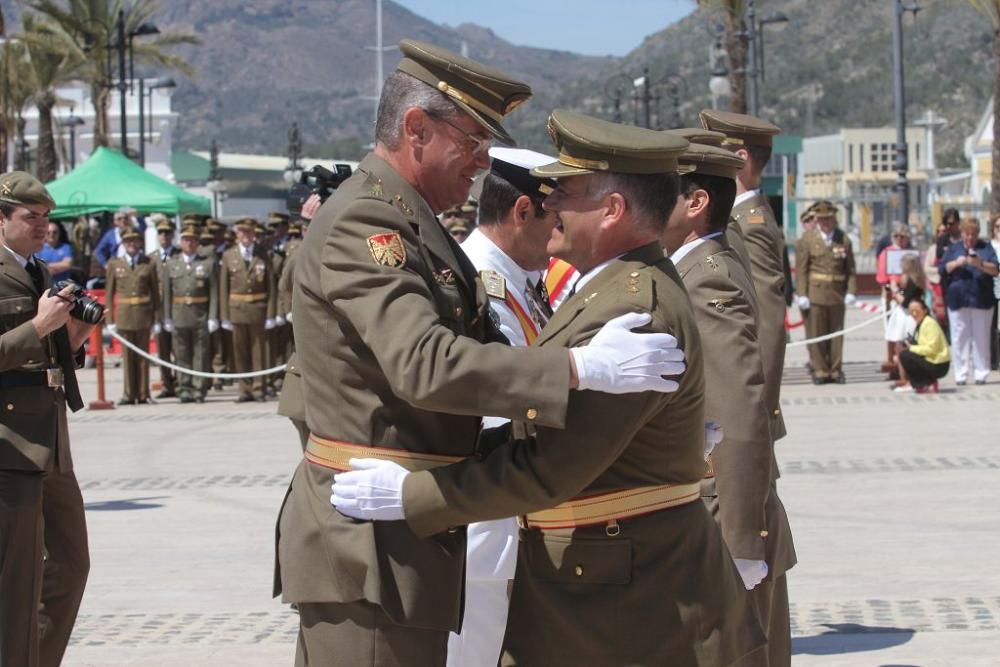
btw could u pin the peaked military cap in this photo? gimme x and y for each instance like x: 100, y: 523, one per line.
x: 189, y: 232
x: 193, y: 219
x: 710, y: 160
x: 739, y: 128
x: 295, y: 230
x: 698, y: 135
x: 20, y: 187
x: 206, y: 236
x: 823, y: 209
x: 589, y: 145
x: 514, y: 165
x: 247, y: 224
x: 165, y: 227
x: 130, y: 234
x: 277, y: 218
x: 807, y: 215
x: 485, y: 93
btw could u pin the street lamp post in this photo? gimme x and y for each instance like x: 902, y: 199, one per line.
x: 124, y: 76
x: 902, y: 187
x: 755, y: 56
x: 168, y: 85
x: 294, y: 170
x: 616, y: 88
x: 71, y: 122
x: 215, y: 184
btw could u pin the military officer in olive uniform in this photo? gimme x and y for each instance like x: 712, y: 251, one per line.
x: 751, y: 138
x: 191, y: 309
x: 739, y: 489
x: 616, y: 537
x: 247, y: 302
x: 45, y: 562
x: 824, y: 266
x: 134, y: 290
x: 279, y: 338
x: 164, y: 337
x: 390, y: 320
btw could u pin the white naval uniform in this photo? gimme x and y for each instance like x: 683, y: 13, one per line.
x: 491, y: 551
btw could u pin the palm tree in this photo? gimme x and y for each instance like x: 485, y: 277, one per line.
x: 736, y: 47
x: 18, y: 93
x: 991, y: 9
x: 4, y: 107
x: 51, y: 63
x: 88, y: 26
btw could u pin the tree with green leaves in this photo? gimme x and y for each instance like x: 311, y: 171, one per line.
x: 991, y: 9
x: 737, y: 46
x: 88, y: 28
x: 18, y: 94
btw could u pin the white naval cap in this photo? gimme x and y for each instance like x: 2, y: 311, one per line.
x: 514, y: 166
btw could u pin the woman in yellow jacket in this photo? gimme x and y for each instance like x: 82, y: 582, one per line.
x: 926, y: 359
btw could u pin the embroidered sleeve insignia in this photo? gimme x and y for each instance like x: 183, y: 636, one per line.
x: 387, y: 249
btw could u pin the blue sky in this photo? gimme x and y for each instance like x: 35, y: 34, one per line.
x: 592, y: 27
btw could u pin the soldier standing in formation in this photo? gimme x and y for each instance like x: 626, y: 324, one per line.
x: 390, y: 320
x: 247, y: 306
x: 739, y: 488
x: 133, y: 295
x: 191, y: 308
x: 824, y: 266
x: 164, y: 342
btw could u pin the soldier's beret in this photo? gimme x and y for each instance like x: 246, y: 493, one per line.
x: 514, y: 165
x: 589, y: 145
x: 485, y: 93
x: 739, y: 128
x: 710, y: 160
x: 698, y: 135
x: 20, y: 187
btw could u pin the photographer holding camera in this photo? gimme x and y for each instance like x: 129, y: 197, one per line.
x: 43, y: 533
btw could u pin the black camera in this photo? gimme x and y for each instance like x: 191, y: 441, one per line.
x: 85, y: 307
x: 318, y: 180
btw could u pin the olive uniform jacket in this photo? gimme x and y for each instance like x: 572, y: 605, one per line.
x: 34, y: 434
x: 742, y: 495
x: 663, y: 590
x: 247, y: 291
x: 190, y: 291
x: 285, y: 280
x: 825, y: 272
x: 135, y: 292
x: 734, y: 237
x: 765, y: 248
x: 389, y: 316
x: 159, y: 258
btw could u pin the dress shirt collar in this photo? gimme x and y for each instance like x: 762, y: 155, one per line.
x: 247, y: 250
x: 189, y: 258
x: 23, y: 261
x: 740, y: 198
x: 590, y: 275
x: 681, y: 252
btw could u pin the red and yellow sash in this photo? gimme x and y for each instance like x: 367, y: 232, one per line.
x: 528, y: 325
x: 557, y: 276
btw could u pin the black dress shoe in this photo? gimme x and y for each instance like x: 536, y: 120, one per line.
x: 245, y: 399
x: 146, y: 401
x: 217, y: 386
x: 186, y: 399
x: 126, y: 401
x: 167, y: 393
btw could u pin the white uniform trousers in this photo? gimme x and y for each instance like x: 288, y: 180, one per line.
x: 970, y: 328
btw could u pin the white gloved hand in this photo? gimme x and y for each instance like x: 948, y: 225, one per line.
x: 751, y: 571
x: 371, y: 490
x: 112, y: 328
x: 803, y: 302
x: 168, y: 325
x: 850, y: 299
x: 268, y: 324
x: 288, y: 317
x: 227, y: 325
x: 618, y: 361
x: 157, y: 328
x: 713, y: 436
x: 213, y: 326
x: 279, y: 321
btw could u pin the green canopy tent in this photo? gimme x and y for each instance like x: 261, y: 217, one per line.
x: 107, y: 181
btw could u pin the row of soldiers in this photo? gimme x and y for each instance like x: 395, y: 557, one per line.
x: 213, y: 305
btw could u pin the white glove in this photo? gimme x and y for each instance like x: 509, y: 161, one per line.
x: 803, y: 302
x: 157, y: 328
x: 279, y: 321
x: 618, y: 361
x: 288, y: 317
x: 213, y: 326
x: 268, y: 324
x: 227, y: 325
x: 713, y: 436
x: 850, y: 299
x: 371, y: 490
x: 168, y: 325
x: 751, y: 571
x: 112, y: 328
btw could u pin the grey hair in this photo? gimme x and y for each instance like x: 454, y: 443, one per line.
x: 401, y: 92
x: 900, y: 228
x: 650, y: 196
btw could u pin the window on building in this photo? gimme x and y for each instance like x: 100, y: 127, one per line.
x: 850, y: 158
x: 917, y: 151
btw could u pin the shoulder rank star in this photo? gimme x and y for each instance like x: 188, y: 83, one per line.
x: 377, y: 188
x: 387, y: 249
x: 444, y: 277
x: 720, y: 304
x: 712, y: 263
x: 494, y: 283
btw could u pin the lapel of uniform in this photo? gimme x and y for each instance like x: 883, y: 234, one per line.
x: 14, y: 269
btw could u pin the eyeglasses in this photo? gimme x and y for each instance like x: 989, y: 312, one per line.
x: 480, y: 144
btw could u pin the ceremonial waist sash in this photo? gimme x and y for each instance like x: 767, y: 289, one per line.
x: 825, y: 277
x: 190, y: 300
x: 248, y: 298
x: 335, y: 454
x: 133, y: 300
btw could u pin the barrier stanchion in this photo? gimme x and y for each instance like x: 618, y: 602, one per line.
x: 97, y: 344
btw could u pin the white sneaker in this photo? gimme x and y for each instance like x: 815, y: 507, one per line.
x: 903, y: 388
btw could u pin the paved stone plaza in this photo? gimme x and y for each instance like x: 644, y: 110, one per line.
x: 894, y: 501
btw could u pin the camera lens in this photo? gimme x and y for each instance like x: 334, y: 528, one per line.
x: 88, y: 310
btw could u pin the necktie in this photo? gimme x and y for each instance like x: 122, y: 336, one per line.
x: 35, y: 272
x: 537, y: 305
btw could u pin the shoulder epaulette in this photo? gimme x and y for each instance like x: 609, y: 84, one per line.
x: 495, y: 284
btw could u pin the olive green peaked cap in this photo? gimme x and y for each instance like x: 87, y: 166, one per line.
x: 590, y: 145
x: 20, y: 187
x: 710, y: 160
x: 698, y: 135
x: 485, y: 93
x: 739, y: 128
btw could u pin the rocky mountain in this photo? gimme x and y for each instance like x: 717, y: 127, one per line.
x: 266, y: 63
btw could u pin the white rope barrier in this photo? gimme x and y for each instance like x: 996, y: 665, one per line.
x: 829, y: 336
x: 191, y: 371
